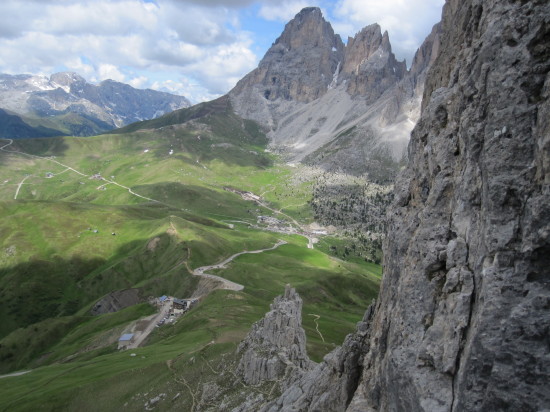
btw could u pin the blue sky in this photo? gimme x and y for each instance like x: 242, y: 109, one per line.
x: 197, y: 48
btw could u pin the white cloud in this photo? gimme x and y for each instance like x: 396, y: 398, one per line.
x: 109, y: 71
x: 119, y: 39
x: 224, y: 67
x: 138, y: 82
x: 282, y: 10
x: 80, y: 67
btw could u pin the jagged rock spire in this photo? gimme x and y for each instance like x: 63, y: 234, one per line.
x: 369, y: 66
x: 276, y: 345
x: 300, y: 64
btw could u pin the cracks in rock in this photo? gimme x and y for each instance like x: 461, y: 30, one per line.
x: 363, y: 349
x: 463, y: 339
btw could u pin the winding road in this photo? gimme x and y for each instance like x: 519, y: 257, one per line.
x: 201, y: 271
x: 10, y: 142
x: 19, y: 186
x: 14, y: 374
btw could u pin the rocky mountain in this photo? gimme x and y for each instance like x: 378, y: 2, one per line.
x: 346, y: 108
x: 69, y: 104
x: 462, y: 320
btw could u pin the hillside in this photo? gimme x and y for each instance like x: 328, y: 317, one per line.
x: 141, y: 209
x: 14, y: 126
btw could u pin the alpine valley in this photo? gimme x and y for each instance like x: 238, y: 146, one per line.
x: 220, y: 257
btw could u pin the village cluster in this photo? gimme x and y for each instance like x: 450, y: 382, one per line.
x: 177, y: 308
x: 170, y: 308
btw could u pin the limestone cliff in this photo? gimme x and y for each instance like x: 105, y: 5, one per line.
x: 462, y: 322
x: 369, y: 66
x: 345, y: 108
x: 275, y: 348
x: 298, y: 68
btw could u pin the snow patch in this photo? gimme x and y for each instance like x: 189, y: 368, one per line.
x: 334, y: 81
x: 67, y: 89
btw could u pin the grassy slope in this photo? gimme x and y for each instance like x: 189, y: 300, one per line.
x: 48, y: 228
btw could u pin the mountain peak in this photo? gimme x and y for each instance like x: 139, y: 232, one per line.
x: 308, y: 10
x: 369, y: 65
x: 308, y: 28
x: 66, y: 78
x: 299, y: 67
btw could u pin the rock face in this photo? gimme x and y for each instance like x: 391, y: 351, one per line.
x: 462, y: 322
x: 330, y: 385
x: 298, y: 68
x: 80, y: 108
x: 369, y: 66
x: 346, y: 108
x: 275, y: 348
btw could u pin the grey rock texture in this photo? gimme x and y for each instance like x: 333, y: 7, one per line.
x: 330, y: 385
x: 347, y: 109
x: 371, y: 130
x: 369, y: 66
x: 298, y: 68
x: 83, y: 108
x: 275, y: 348
x: 462, y: 322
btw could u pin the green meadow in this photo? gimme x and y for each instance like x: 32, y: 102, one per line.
x: 70, y: 238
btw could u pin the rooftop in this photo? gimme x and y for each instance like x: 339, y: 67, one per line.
x: 126, y: 336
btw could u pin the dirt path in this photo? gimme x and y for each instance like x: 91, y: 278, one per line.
x: 9, y: 375
x: 10, y: 141
x: 51, y: 159
x: 201, y: 271
x: 315, y: 319
x: 140, y: 336
x: 129, y: 190
x: 311, y: 240
x: 19, y: 186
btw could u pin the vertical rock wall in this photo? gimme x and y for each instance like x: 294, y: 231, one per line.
x: 463, y: 317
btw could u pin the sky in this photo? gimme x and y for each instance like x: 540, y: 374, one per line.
x: 195, y: 48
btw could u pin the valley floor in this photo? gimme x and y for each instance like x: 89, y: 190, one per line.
x: 93, y: 217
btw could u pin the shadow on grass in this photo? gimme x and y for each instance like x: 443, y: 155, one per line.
x: 53, y: 146
x: 42, y: 299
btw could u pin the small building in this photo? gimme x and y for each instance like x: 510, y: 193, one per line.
x: 181, y: 304
x: 163, y: 298
x: 125, y: 340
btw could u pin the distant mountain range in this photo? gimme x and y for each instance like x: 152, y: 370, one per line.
x: 66, y: 104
